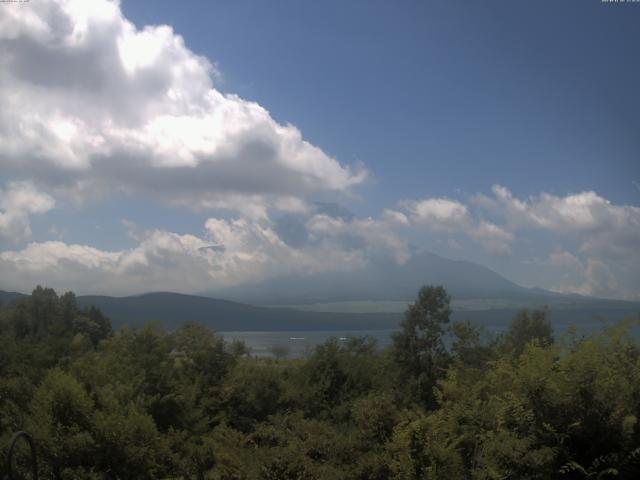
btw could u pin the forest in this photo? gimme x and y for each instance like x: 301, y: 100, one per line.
x: 445, y: 401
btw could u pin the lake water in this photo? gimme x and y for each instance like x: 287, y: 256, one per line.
x: 299, y: 343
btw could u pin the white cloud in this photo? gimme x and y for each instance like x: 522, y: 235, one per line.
x: 493, y: 238
x: 603, y: 230
x: 91, y: 104
x: 162, y: 261
x: 18, y: 202
x: 605, y: 262
x: 600, y: 279
x: 370, y: 238
x: 249, y: 250
x: 310, y: 239
x: 607, y: 237
x: 131, y: 228
x: 563, y: 258
x: 585, y: 212
x: 596, y: 279
x: 452, y: 217
x: 232, y: 252
x: 437, y: 213
x: 395, y: 217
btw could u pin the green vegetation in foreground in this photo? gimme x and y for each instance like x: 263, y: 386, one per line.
x: 147, y: 403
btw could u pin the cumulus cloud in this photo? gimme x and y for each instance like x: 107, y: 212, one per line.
x: 90, y: 103
x: 604, y: 230
x: 18, y: 202
x: 395, y: 217
x: 231, y: 252
x: 369, y: 239
x: 493, y: 238
x: 453, y: 217
x: 594, y: 278
x: 437, y: 213
x: 585, y: 212
x: 563, y: 259
x: 306, y: 240
x: 607, y: 235
x: 162, y: 261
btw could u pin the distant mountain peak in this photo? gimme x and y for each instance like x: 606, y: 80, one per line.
x: 382, y: 281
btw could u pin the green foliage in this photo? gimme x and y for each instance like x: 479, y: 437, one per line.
x: 468, y: 348
x: 252, y: 392
x: 280, y: 351
x: 425, y: 449
x: 525, y: 328
x: 419, y: 349
x: 61, y: 422
x: 184, y: 404
x: 338, y: 372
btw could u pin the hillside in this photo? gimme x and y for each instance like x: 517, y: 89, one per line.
x: 172, y: 309
x: 7, y: 297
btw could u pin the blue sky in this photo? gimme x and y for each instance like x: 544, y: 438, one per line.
x: 538, y: 95
x: 501, y: 132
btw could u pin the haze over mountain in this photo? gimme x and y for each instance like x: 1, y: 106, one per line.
x: 173, y: 309
x: 390, y: 281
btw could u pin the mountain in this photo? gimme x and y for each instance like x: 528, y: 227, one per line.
x: 172, y: 309
x: 339, y: 300
x: 8, y: 297
x: 387, y: 281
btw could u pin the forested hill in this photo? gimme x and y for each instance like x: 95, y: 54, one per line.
x: 7, y: 297
x: 173, y: 309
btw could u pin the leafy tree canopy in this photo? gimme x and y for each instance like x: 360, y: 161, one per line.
x: 443, y: 401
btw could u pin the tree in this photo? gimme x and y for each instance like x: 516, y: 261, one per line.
x: 61, y: 423
x: 44, y: 310
x: 418, y: 349
x: 103, y: 324
x: 251, y: 393
x: 185, y: 404
x: 337, y: 372
x: 527, y: 328
x: 468, y: 347
x: 280, y: 352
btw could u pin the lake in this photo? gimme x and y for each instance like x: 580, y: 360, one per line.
x: 300, y: 342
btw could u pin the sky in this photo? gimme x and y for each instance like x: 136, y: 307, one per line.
x: 186, y: 146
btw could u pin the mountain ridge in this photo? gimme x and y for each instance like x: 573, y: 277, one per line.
x: 386, y: 281
x: 296, y: 302
x: 173, y: 309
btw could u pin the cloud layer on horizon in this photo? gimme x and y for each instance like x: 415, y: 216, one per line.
x: 327, y: 238
x: 230, y: 252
